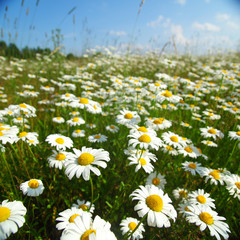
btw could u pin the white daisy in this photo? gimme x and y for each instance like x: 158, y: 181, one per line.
x: 192, y: 167
x: 173, y: 139
x: 157, y: 205
x: 78, y: 133
x: 189, y: 151
x: 84, y: 161
x: 180, y: 193
x: 233, y: 184
x: 128, y: 117
x: 97, y: 138
x: 205, y: 217
x: 156, y: 179
x: 213, y: 175
x: 141, y: 162
x: 112, y: 128
x: 84, y: 205
x: 128, y: 225
x: 211, y: 132
x: 234, y: 135
x: 58, y: 159
x: 11, y: 217
x: 59, y: 141
x: 209, y: 143
x: 75, y: 121
x: 32, y: 188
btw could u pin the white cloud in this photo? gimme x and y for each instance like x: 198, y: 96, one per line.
x: 182, y: 2
x: 222, y: 17
x: 156, y: 22
x: 117, y: 33
x: 232, y: 25
x: 205, y: 27
x: 177, y: 32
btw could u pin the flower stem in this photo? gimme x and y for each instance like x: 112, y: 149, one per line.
x: 91, y: 182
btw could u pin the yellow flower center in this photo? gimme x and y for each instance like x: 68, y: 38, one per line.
x: 132, y: 225
x: 4, y: 213
x: 157, y: 121
x: 210, y: 114
x: 155, y: 181
x: 238, y: 133
x: 31, y: 141
x: 59, y: 141
x: 75, y: 119
x: 23, y: 134
x: 206, y: 217
x: 215, y: 174
x: 112, y: 127
x: 22, y: 105
x: 186, y: 124
x: 33, y: 183
x: 209, y: 142
x: 59, y: 118
x: 169, y: 148
x: 142, y: 161
x: 19, y: 118
x: 97, y: 137
x: 85, y: 159
x: 167, y: 94
x: 183, y: 194
x: 1, y: 134
x: 84, y: 101
x: 71, y: 219
x: 188, y: 149
x: 142, y: 129
x: 67, y: 95
x: 192, y: 165
x: 85, y: 236
x: 235, y: 109
x: 157, y: 84
x: 237, y: 184
x: 144, y: 138
x: 60, y: 156
x: 212, y: 131
x: 128, y: 116
x: 77, y: 131
x: 83, y: 207
x: 201, y: 199
x: 155, y: 203
x: 174, y: 139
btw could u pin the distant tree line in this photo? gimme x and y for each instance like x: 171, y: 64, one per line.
x: 11, y: 50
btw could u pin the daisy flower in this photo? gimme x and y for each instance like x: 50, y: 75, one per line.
x: 91, y: 125
x: 213, y: 175
x: 189, y: 151
x: 192, y: 167
x: 75, y: 121
x: 158, y: 123
x: 173, y: 139
x: 166, y: 95
x: 205, y: 217
x: 86, y: 228
x: 183, y: 207
x: 169, y: 150
x: 142, y: 129
x: 234, y: 135
x: 180, y: 193
x: 58, y: 120
x: 32, y: 188
x: 128, y: 225
x: 199, y: 197
x: 233, y: 185
x: 209, y: 143
x: 84, y: 205
x: 128, y: 118
x: 78, y: 133
x: 211, y: 132
x: 144, y: 140
x: 141, y: 163
x: 156, y: 179
x: 58, y: 159
x: 84, y: 161
x: 68, y: 216
x: 157, y: 205
x: 11, y: 217
x: 97, y: 138
x: 112, y: 128
x: 186, y: 125
x: 59, y: 141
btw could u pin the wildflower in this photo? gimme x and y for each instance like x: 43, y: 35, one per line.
x: 84, y: 161
x: 32, y: 188
x: 84, y: 205
x: 192, y: 167
x: 144, y: 140
x: 97, y: 138
x: 205, y: 217
x: 112, y: 128
x: 68, y: 216
x: 167, y: 95
x: 158, y: 123
x: 214, y: 175
x: 58, y: 120
x: 75, y: 121
x: 211, y: 132
x: 141, y: 162
x: 157, y: 205
x: 78, y: 133
x: 128, y: 118
x: 129, y: 224
x: 11, y: 217
x: 189, y: 151
x: 180, y: 193
x: 173, y: 139
x: 199, y: 197
x: 233, y: 185
x: 91, y: 125
x: 142, y: 129
x: 234, y: 135
x: 84, y: 227
x: 59, y: 141
x: 169, y: 150
x: 156, y: 179
x: 209, y: 143
x: 186, y: 125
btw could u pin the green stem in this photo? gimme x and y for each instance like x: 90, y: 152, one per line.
x: 231, y: 153
x: 91, y: 182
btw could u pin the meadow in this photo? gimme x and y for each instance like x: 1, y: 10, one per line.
x: 110, y: 146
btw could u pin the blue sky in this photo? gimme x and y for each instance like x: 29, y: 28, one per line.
x: 196, y: 25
